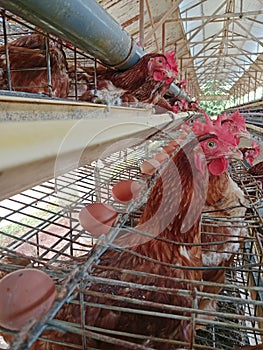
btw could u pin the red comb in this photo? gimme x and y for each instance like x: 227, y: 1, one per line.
x: 236, y: 117
x: 213, y: 128
x: 256, y: 146
x: 200, y: 128
x: 170, y: 56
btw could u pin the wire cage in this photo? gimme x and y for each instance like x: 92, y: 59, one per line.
x: 40, y: 228
x: 47, y: 49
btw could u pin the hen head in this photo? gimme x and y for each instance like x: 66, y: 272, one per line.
x: 171, y: 61
x: 236, y: 123
x: 217, y: 145
x: 255, y: 146
x: 252, y: 153
x: 161, y: 68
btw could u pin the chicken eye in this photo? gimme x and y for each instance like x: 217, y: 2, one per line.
x: 160, y: 60
x: 211, y: 144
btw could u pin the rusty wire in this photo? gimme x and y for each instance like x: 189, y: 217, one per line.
x: 12, y: 27
x: 50, y: 211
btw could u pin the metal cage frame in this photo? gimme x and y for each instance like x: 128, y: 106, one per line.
x: 51, y: 238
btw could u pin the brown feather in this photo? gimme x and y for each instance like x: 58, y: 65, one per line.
x: 154, y: 255
x: 28, y: 66
x: 136, y: 82
x: 225, y: 238
x: 257, y: 170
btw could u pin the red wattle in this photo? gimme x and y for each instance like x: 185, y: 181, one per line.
x: 157, y: 76
x: 218, y: 166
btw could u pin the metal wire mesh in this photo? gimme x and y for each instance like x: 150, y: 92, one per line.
x: 12, y: 28
x: 40, y: 228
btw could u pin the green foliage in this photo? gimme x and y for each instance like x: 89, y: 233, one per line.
x: 214, y: 107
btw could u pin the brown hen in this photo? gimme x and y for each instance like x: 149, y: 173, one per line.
x: 257, y: 171
x: 168, y: 258
x: 146, y: 81
x: 28, y: 66
x: 223, y: 228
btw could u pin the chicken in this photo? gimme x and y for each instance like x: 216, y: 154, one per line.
x: 224, y: 201
x: 236, y: 123
x: 171, y: 219
x: 177, y: 103
x: 250, y: 153
x: 145, y: 82
x: 82, y: 86
x: 28, y: 65
x: 257, y: 171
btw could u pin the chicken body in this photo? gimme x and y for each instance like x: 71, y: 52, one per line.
x: 169, y: 258
x: 28, y: 65
x: 225, y: 201
x: 172, y: 213
x: 145, y: 82
x: 257, y: 171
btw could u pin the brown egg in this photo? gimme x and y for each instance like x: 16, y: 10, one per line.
x: 169, y: 148
x: 161, y: 157
x: 24, y: 295
x: 126, y: 190
x: 150, y: 166
x: 173, y: 144
x: 97, y: 218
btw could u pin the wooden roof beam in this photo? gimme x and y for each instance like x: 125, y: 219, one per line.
x: 245, y: 74
x: 254, y: 20
x: 222, y: 16
x: 219, y: 40
x: 209, y: 18
x: 163, y: 19
x: 247, y: 56
x: 152, y: 25
x: 141, y: 23
x: 220, y: 54
x: 253, y: 37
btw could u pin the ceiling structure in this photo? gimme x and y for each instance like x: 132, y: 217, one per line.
x: 219, y: 43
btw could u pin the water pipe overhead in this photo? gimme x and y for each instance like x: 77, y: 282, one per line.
x: 86, y: 25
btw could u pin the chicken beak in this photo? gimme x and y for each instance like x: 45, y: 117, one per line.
x: 169, y: 73
x: 235, y: 154
x: 244, y: 133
